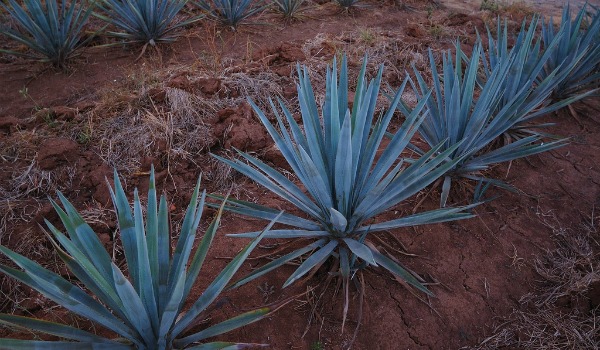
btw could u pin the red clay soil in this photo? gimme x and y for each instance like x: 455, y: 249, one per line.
x: 478, y: 268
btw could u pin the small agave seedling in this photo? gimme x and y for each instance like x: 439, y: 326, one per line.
x: 146, y: 22
x: 146, y: 310
x: 579, y: 46
x: 335, y: 156
x: 346, y: 5
x: 229, y: 12
x: 51, y: 31
x: 289, y: 8
x: 469, y: 125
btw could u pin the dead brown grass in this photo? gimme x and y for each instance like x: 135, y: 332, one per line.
x: 563, y: 311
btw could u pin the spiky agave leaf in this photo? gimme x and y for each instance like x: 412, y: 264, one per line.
x: 578, y: 47
x: 469, y: 125
x: 51, y: 31
x: 334, y: 158
x: 144, y: 21
x: 230, y: 12
x: 146, y: 309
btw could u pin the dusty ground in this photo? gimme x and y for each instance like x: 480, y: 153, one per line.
x: 67, y: 131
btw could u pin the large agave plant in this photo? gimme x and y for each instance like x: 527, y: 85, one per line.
x: 579, y: 46
x: 50, y: 30
x: 468, y: 122
x: 144, y: 21
x: 335, y: 157
x: 145, y: 310
x: 230, y: 12
x: 529, y: 61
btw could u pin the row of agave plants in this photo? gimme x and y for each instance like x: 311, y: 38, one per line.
x: 53, y: 32
x: 477, y: 112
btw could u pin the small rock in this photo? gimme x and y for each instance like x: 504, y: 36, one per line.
x: 237, y: 128
x: 84, y: 105
x: 64, y: 113
x: 9, y: 124
x: 102, y: 195
x: 105, y: 239
x: 291, y: 53
x: 283, y: 71
x: 180, y: 82
x: 46, y: 212
x: 457, y: 19
x: 53, y: 152
x: 209, y: 86
x: 415, y: 31
x: 273, y: 155
x: 157, y: 95
x: 97, y: 178
x: 593, y: 293
x: 290, y: 91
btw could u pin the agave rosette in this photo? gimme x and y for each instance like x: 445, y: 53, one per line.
x: 289, y: 8
x: 531, y: 71
x: 347, y: 184
x: 578, y: 49
x: 529, y: 62
x: 230, y: 12
x: 144, y: 21
x: 51, y: 31
x: 468, y: 125
x: 145, y: 310
x: 347, y: 4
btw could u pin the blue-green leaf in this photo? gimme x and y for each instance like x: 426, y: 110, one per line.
x: 313, y: 260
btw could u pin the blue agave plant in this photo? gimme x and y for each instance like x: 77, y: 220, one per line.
x: 146, y: 310
x: 346, y: 185
x: 144, y: 21
x: 230, y: 12
x: 530, y: 61
x: 578, y: 47
x: 52, y: 31
x: 470, y: 123
x: 289, y: 8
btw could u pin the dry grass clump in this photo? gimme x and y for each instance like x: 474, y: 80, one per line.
x: 545, y: 330
x: 258, y: 86
x: 176, y: 129
x: 24, y: 185
x: 387, y: 48
x: 514, y: 11
x: 564, y: 310
x: 130, y: 124
x: 390, y: 48
x: 517, y: 9
x: 570, y: 271
x: 30, y: 243
x: 22, y: 196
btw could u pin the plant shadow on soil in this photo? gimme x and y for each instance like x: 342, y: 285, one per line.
x: 68, y: 130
